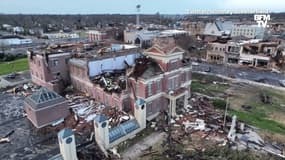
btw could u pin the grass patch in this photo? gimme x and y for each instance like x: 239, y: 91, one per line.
x: 209, y: 89
x: 206, y: 78
x: 260, y: 121
x: 220, y: 104
x: 14, y: 66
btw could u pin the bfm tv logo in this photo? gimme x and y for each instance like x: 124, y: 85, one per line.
x: 262, y: 20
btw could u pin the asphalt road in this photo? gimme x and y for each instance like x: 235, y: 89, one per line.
x: 251, y: 74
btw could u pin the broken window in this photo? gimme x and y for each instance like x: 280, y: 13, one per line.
x: 158, y: 86
x: 55, y: 62
x: 173, y: 83
x: 149, y: 109
x: 149, y: 89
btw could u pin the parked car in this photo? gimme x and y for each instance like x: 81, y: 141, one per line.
x: 11, y: 76
x: 208, y: 69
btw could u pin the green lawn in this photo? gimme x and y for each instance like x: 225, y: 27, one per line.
x: 259, y: 121
x: 14, y: 66
x: 209, y: 89
x: 204, y: 84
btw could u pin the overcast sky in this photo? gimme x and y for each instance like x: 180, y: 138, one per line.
x: 128, y: 6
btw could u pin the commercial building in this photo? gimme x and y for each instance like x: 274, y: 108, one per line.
x: 14, y: 40
x: 218, y: 28
x: 257, y: 54
x: 248, y: 31
x: 216, y: 53
x: 194, y: 28
x: 96, y: 36
x: 61, y: 35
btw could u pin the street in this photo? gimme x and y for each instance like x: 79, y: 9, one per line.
x: 251, y: 74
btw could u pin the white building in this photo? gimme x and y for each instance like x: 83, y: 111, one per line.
x: 18, y: 29
x: 14, y: 40
x: 249, y: 31
x: 94, y: 36
x: 142, y: 38
x: 174, y: 32
x: 218, y: 28
x: 61, y: 35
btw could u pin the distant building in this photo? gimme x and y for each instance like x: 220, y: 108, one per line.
x: 45, y: 107
x: 257, y: 54
x: 233, y: 52
x: 18, y: 29
x: 248, y: 31
x: 194, y: 28
x: 7, y: 27
x: 142, y: 38
x: 173, y: 32
x: 61, y: 35
x: 216, y: 53
x: 14, y: 40
x: 218, y: 28
x: 96, y: 36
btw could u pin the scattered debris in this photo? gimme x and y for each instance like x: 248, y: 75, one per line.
x: 265, y: 98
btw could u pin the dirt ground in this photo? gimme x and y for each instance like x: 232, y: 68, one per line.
x: 244, y: 94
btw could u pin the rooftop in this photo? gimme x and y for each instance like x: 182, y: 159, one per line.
x: 43, y: 98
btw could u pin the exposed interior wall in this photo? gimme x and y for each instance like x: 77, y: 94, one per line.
x: 107, y: 65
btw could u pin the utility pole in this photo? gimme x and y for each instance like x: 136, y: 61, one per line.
x: 225, y: 117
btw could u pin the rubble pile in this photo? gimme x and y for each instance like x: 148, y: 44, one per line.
x: 112, y: 82
x: 199, y: 122
x: 23, y: 89
x: 116, y: 117
x: 86, y: 109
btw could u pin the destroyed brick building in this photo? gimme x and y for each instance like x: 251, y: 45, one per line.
x: 49, y: 68
x: 258, y: 54
x: 255, y: 53
x: 216, y: 52
x: 117, y: 76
